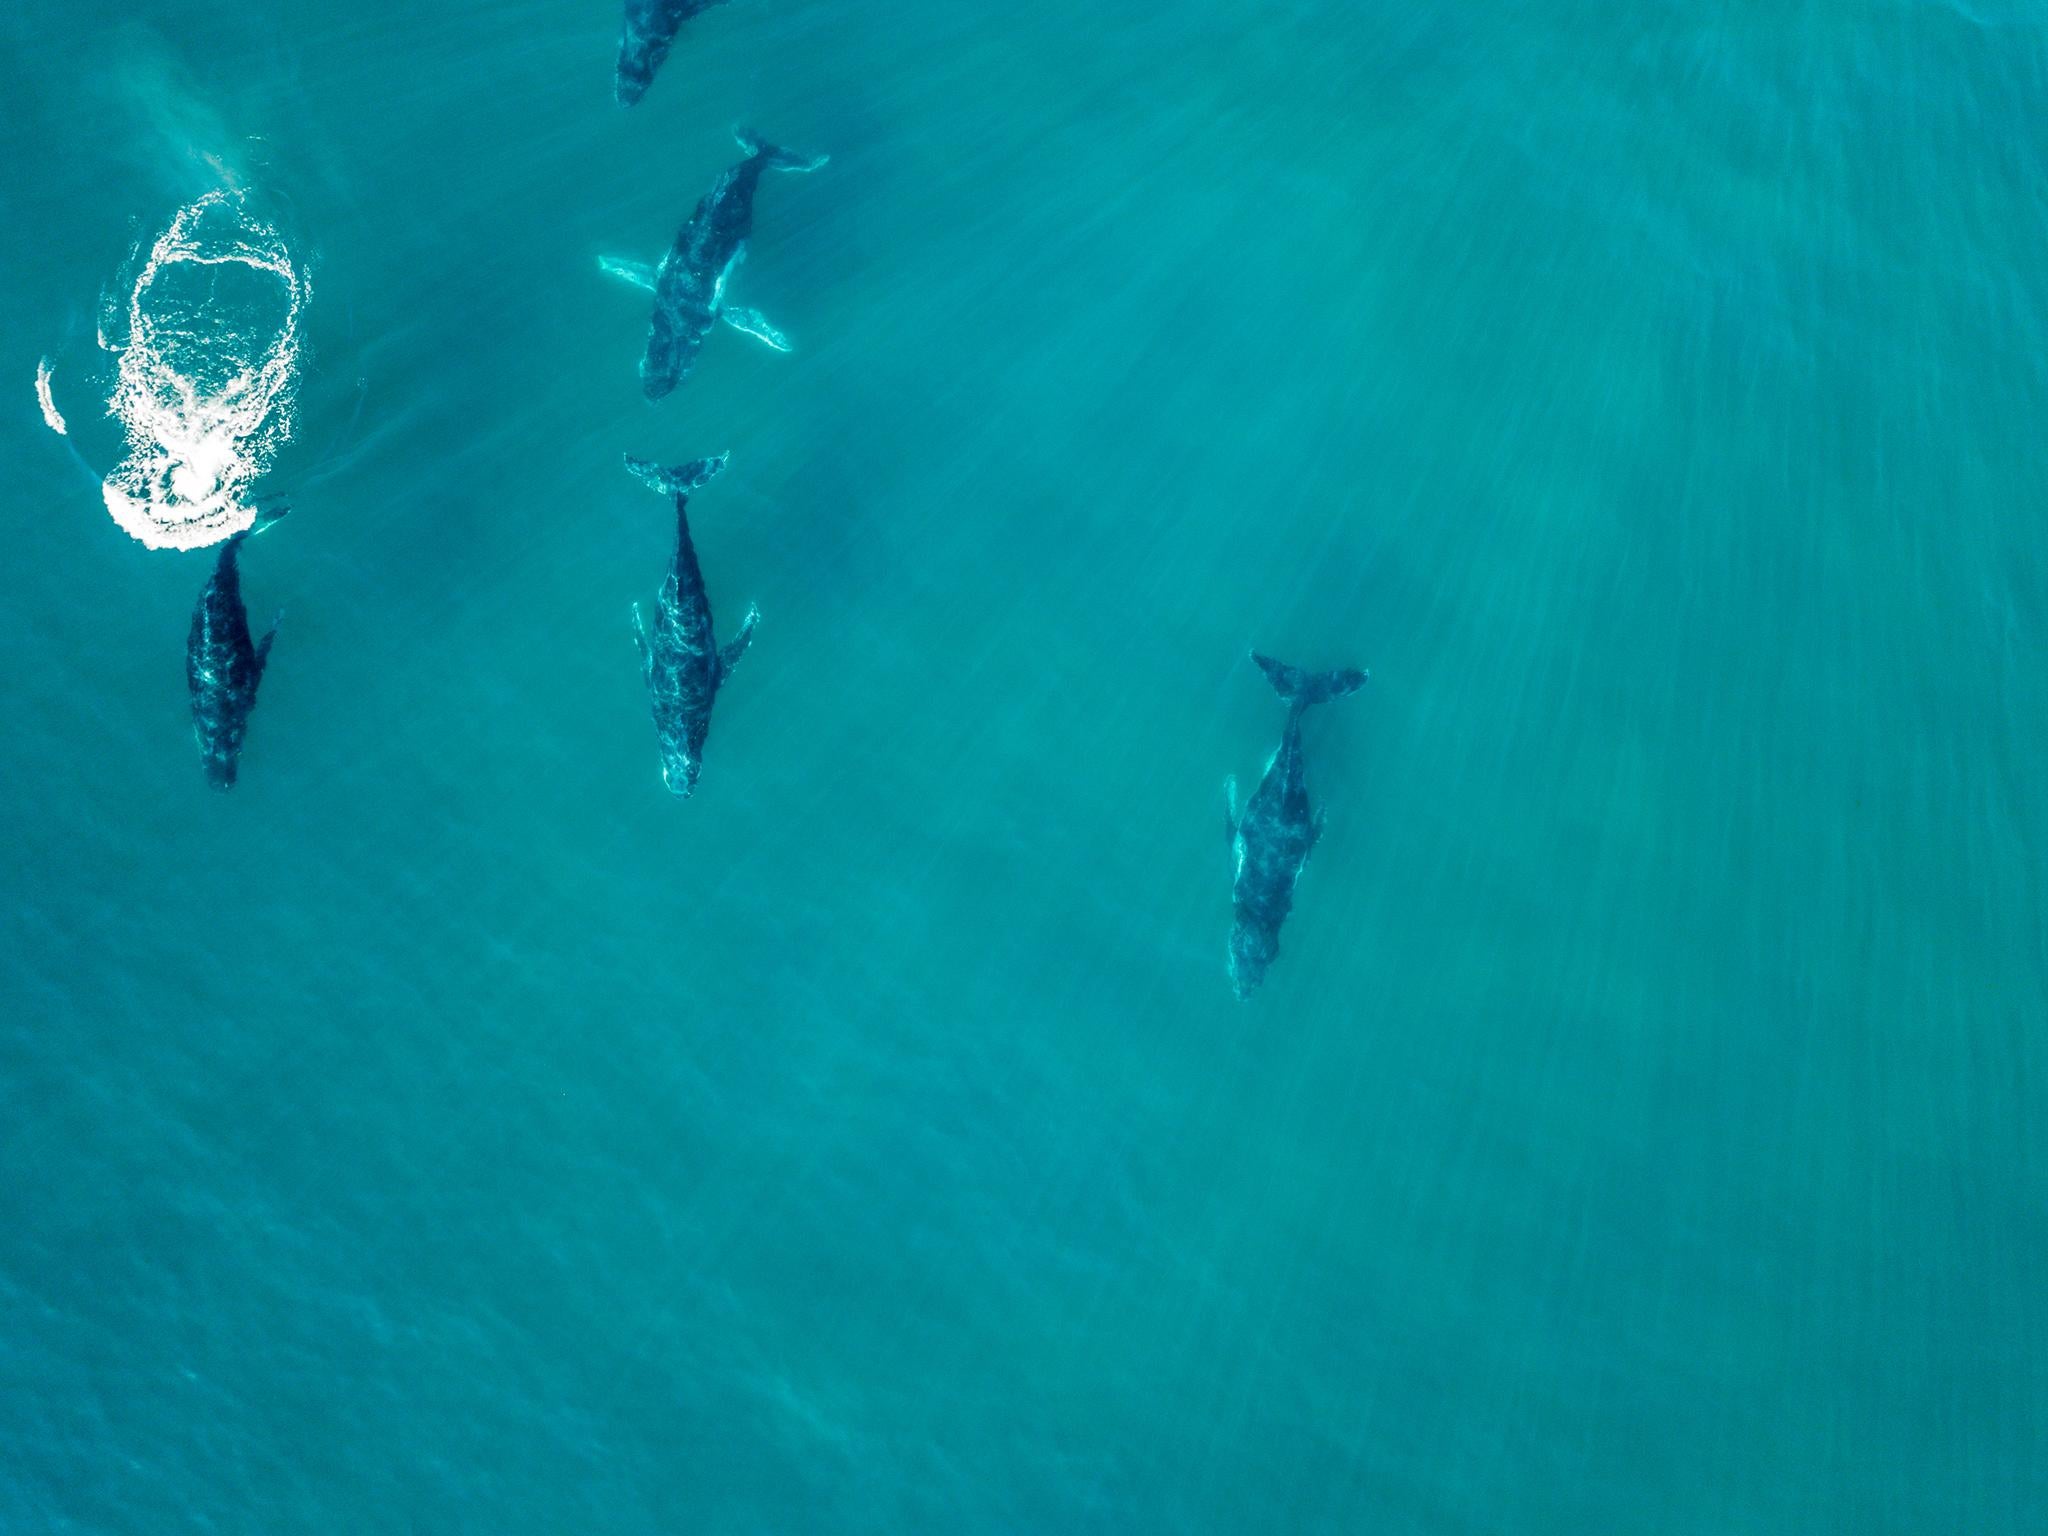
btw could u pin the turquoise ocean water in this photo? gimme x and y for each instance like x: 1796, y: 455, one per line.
x: 1645, y: 1126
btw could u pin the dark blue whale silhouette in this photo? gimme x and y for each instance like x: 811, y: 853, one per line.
x: 651, y: 28
x: 223, y: 668
x: 689, y: 286
x: 680, y: 658
x: 1273, y: 835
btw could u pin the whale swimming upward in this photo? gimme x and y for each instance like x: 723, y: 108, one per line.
x: 1272, y: 836
x: 680, y: 658
x: 689, y: 286
x: 222, y: 666
x: 651, y: 28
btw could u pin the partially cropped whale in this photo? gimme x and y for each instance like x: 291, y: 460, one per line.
x: 223, y: 667
x: 651, y: 28
x: 680, y: 658
x: 1272, y: 835
x: 689, y: 286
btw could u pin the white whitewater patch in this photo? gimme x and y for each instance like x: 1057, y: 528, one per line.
x: 52, y: 417
x: 208, y: 371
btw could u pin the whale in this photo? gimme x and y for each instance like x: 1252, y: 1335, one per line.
x: 1273, y: 833
x: 651, y: 28
x: 223, y: 665
x: 681, y: 661
x: 689, y: 286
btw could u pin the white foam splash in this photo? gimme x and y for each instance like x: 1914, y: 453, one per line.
x: 52, y: 417
x: 207, y: 375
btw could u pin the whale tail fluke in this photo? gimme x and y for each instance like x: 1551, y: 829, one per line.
x: 1301, y: 688
x: 679, y: 480
x: 778, y: 158
x: 269, y: 511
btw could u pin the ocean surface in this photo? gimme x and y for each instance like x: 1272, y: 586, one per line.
x: 1645, y: 1125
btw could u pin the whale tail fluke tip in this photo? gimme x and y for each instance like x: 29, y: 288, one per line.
x: 269, y: 512
x: 678, y: 480
x: 778, y: 158
x: 1301, y: 688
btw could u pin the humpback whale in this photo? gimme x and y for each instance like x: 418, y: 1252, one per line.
x: 651, y: 28
x: 689, y: 285
x: 222, y: 666
x: 1272, y: 836
x: 680, y: 658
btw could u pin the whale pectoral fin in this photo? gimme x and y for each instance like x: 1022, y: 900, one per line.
x: 732, y: 265
x: 730, y: 653
x: 751, y: 322
x: 640, y: 645
x: 263, y: 645
x: 1315, y: 830
x: 1230, y: 816
x: 638, y: 273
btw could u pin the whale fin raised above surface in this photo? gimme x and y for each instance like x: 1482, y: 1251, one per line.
x: 679, y: 480
x: 730, y: 653
x: 640, y: 274
x: 751, y: 322
x: 778, y: 158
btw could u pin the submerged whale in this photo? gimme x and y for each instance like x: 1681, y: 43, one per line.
x: 1272, y: 836
x: 689, y: 285
x: 223, y: 668
x: 680, y: 658
x: 651, y: 28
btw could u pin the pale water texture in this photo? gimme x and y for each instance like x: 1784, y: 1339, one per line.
x: 1642, y: 1128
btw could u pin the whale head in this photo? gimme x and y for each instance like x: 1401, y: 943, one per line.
x: 641, y: 52
x: 1252, y: 948
x: 671, y: 353
x: 633, y: 78
x: 679, y: 770
x: 220, y: 750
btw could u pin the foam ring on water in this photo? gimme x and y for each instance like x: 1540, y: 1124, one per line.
x: 207, y: 378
